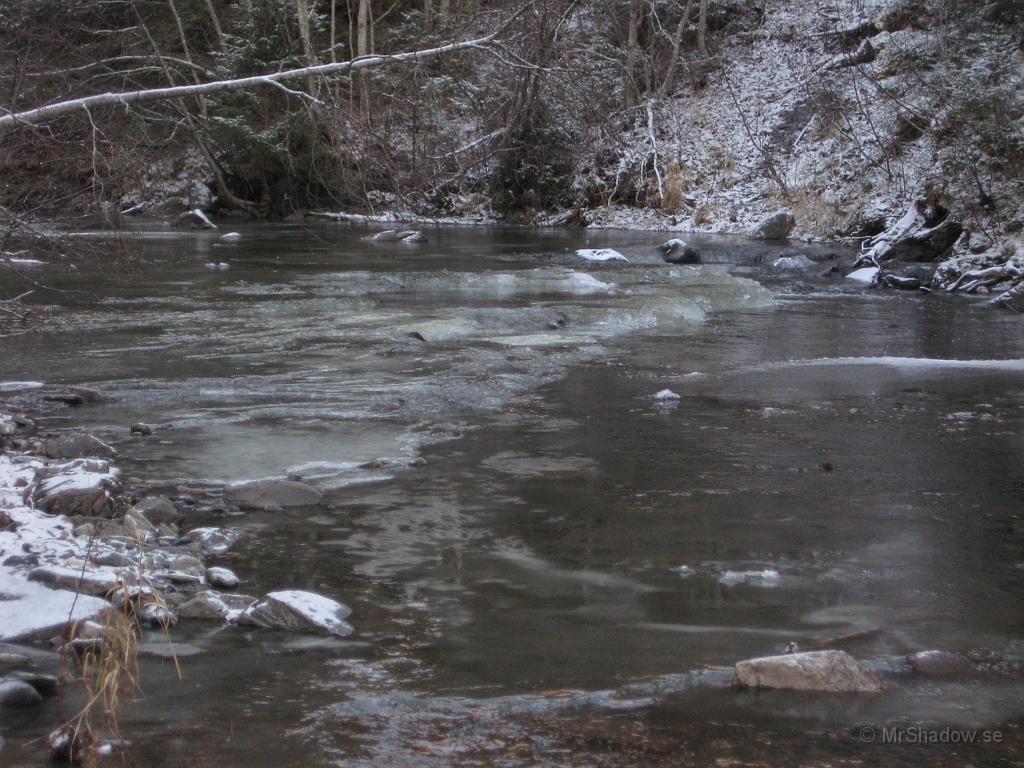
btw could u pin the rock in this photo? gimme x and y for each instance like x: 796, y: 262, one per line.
x: 865, y: 275
x: 75, y: 396
x: 156, y: 614
x: 901, y: 283
x: 301, y: 611
x: 45, y: 685
x: 666, y: 395
x: 600, y: 255
x: 212, y: 541
x: 83, y: 487
x: 205, y: 605
x: 810, y: 671
x: 13, y: 659
x: 231, y: 237
x: 776, y: 227
x: 791, y: 263
x: 76, y: 446
x: 159, y: 510
x: 940, y: 664
x: 140, y: 428
x: 678, y: 252
x: 222, y: 578
x: 88, y: 581
x: 16, y: 693
x: 415, y: 237
x: 137, y: 524
x: 269, y: 494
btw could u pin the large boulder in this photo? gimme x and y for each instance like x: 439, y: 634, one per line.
x: 811, y: 671
x: 300, y: 611
x: 272, y: 494
x: 82, y: 487
x: 776, y: 227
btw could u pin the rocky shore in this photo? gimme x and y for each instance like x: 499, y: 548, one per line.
x: 79, y: 549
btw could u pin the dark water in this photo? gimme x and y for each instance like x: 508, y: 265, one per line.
x: 509, y: 510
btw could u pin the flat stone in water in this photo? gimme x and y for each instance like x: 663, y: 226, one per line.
x: 812, y: 671
x: 269, y: 494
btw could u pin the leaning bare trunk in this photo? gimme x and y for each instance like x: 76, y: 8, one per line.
x: 677, y: 41
x: 216, y: 24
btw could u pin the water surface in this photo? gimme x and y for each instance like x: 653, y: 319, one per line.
x: 546, y: 564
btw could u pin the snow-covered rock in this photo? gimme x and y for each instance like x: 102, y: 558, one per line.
x: 231, y: 237
x: 791, y: 263
x: 864, y: 275
x: 81, y: 487
x: 677, y: 251
x: 812, y: 671
x: 600, y: 254
x: 301, y: 611
x: 666, y: 395
x: 213, y: 541
x: 31, y: 610
x: 222, y: 578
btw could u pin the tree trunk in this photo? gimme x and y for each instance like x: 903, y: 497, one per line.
x: 632, y: 96
x: 363, y: 28
x: 273, y: 79
x: 702, y: 29
x: 302, y: 9
x: 428, y: 14
x: 216, y: 24
x: 677, y: 41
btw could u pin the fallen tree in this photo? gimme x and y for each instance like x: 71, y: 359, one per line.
x: 29, y: 118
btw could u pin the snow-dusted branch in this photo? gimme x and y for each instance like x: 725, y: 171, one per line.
x: 32, y: 116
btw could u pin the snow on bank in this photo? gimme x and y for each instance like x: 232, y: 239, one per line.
x: 28, y: 609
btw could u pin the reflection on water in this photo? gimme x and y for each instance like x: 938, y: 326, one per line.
x: 546, y: 565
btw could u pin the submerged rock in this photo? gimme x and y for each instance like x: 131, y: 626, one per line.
x: 777, y: 226
x: 811, y: 671
x: 270, y: 494
x: 75, y: 446
x: 301, y: 611
x: 940, y: 664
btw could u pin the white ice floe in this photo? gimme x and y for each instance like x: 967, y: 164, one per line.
x: 600, y: 254
x: 768, y: 577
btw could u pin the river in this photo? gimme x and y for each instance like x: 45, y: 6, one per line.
x: 546, y: 563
